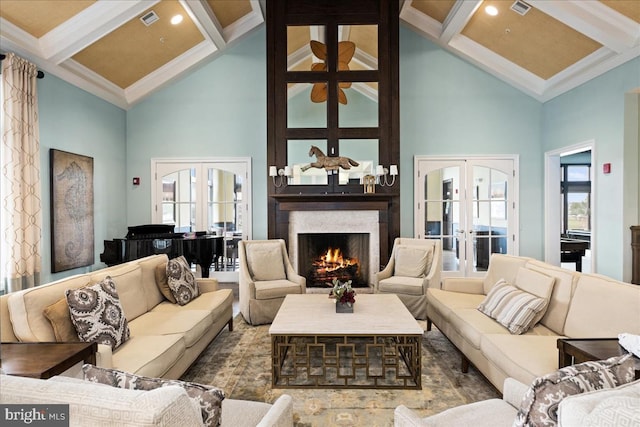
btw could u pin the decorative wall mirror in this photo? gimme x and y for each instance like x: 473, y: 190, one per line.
x: 333, y: 82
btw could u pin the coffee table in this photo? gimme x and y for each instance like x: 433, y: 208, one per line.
x: 44, y: 360
x: 376, y: 346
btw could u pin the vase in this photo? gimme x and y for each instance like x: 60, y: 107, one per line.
x: 342, y: 307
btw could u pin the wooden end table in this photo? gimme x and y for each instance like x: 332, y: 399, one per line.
x: 578, y: 350
x: 44, y: 360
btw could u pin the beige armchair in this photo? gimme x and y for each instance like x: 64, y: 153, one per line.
x: 414, y: 266
x: 266, y: 277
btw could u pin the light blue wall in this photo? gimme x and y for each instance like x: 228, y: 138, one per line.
x: 73, y: 120
x: 217, y: 111
x: 595, y: 111
x: 449, y: 107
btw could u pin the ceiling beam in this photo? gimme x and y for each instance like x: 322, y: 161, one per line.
x: 457, y: 19
x: 205, y: 19
x: 594, y: 20
x: 88, y: 26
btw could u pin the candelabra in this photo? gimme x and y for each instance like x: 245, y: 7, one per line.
x: 280, y: 176
x: 383, y: 173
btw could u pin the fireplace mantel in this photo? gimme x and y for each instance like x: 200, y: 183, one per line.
x: 333, y: 201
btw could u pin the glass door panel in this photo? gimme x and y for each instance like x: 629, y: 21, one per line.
x: 443, y: 211
x: 209, y: 197
x: 178, y: 199
x: 225, y: 214
x: 490, y: 215
x: 468, y: 205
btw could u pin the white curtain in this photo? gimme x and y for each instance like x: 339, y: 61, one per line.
x: 21, y: 215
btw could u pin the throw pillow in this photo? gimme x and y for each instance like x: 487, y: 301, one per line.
x: 265, y: 262
x: 97, y: 314
x: 181, y: 281
x: 412, y: 261
x: 511, y: 307
x: 162, y: 282
x: 209, y: 398
x: 540, y: 403
x: 60, y: 319
x: 537, y: 284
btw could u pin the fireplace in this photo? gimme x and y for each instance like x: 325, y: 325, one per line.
x: 323, y: 257
x: 361, y: 225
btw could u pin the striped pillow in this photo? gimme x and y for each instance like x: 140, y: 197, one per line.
x: 513, y: 308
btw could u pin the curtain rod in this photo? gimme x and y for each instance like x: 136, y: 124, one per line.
x: 40, y: 73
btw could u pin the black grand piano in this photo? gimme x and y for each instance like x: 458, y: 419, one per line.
x: 151, y: 239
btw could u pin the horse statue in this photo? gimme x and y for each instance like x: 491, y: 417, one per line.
x: 328, y: 163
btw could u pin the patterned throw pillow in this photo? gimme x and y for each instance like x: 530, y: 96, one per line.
x: 181, y: 280
x: 511, y: 307
x: 540, y: 403
x: 208, y: 397
x: 97, y: 314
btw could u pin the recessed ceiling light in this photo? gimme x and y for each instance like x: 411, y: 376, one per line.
x: 176, y: 19
x: 491, y: 10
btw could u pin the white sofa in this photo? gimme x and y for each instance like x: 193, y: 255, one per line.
x: 93, y: 404
x: 596, y: 408
x: 580, y: 306
x: 166, y: 338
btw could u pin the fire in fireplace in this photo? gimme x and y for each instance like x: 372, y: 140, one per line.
x: 324, y: 257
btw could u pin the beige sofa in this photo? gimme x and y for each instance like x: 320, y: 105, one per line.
x: 580, y: 306
x: 164, y: 406
x: 165, y: 339
x: 596, y: 408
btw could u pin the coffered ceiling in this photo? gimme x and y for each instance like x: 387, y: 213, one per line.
x: 104, y: 47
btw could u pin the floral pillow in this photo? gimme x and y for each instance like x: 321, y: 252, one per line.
x: 209, y: 398
x: 97, y: 314
x: 540, y: 403
x: 181, y: 280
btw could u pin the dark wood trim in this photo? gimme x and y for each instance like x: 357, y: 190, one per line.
x: 635, y: 254
x: 331, y: 14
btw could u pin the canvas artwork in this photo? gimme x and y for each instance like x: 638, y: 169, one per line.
x: 72, y: 240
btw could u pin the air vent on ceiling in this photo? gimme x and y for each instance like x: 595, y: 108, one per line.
x: 149, y: 18
x: 520, y: 7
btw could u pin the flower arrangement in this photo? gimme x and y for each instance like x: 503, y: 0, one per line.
x: 343, y: 292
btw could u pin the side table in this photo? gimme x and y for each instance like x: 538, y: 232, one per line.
x: 577, y: 350
x: 44, y: 360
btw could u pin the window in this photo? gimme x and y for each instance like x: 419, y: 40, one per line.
x: 576, y: 198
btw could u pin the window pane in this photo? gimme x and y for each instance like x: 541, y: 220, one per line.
x: 364, y: 152
x: 299, y: 55
x: 578, y: 214
x: 301, y: 111
x: 178, y: 200
x: 300, y: 158
x: 577, y: 173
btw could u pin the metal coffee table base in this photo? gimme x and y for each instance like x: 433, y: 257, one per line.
x: 346, y: 361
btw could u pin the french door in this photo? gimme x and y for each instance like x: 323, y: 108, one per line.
x: 211, y: 195
x: 470, y: 206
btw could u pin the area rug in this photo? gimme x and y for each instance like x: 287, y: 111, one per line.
x: 239, y: 362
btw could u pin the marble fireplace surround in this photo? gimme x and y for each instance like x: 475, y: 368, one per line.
x: 375, y: 214
x: 342, y: 221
